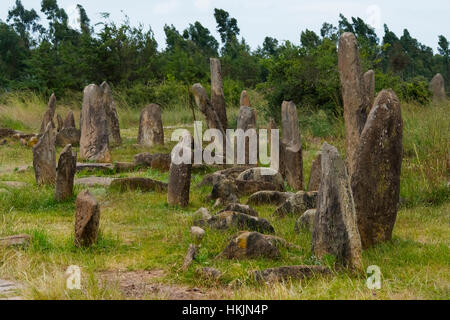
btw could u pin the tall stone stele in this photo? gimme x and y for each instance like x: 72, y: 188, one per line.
x: 437, y: 88
x: 111, y: 115
x: 246, y: 122
x: 151, y: 130
x: 354, y: 95
x: 94, y: 141
x: 87, y: 219
x: 49, y: 114
x: 291, y: 146
x: 335, y: 227
x: 67, y: 167
x: 369, y: 84
x: 44, y: 158
x: 217, y: 94
x: 376, y: 178
x: 180, y: 176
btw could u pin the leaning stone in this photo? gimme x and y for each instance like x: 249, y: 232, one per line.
x: 91, y: 182
x: 217, y: 95
x: 207, y: 273
x: 335, y: 227
x: 353, y: 94
x: 44, y: 158
x: 111, y: 115
x: 250, y: 245
x: 289, y: 273
x: 437, y: 88
x: 87, y: 219
x: 67, y: 167
x: 49, y: 114
x: 269, y: 197
x: 314, y: 176
x: 13, y: 241
x: 291, y: 146
x: 242, y: 208
x: 306, y: 221
x: 298, y: 204
x: 138, y: 183
x: 190, y: 256
x: 229, y: 219
x: 94, y: 141
x: 70, y: 135
x: 197, y: 233
x: 204, y: 104
x: 376, y: 178
x: 151, y: 130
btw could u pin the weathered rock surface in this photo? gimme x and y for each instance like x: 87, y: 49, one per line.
x: 94, y: 141
x: 59, y: 121
x: 202, y: 216
x: 289, y: 273
x: 197, y: 233
x: 138, y: 183
x: 44, y: 158
x: 250, y: 245
x: 17, y: 240
x: 49, y: 114
x: 369, y: 85
x: 437, y: 88
x: 111, y: 115
x: 87, y: 219
x: 269, y: 197
x: 217, y: 95
x: 335, y: 227
x: 297, y: 204
x: 70, y: 135
x: 93, y: 167
x: 124, y: 166
x: 242, y: 208
x: 69, y: 121
x: 314, y: 176
x: 207, y: 273
x: 179, y: 184
x: 190, y: 256
x: 245, y: 100
x: 229, y: 219
x: 376, y: 178
x: 226, y: 191
x: 151, y: 130
x: 249, y: 187
x: 230, y: 173
x: 306, y: 221
x: 353, y: 93
x: 263, y: 175
x: 291, y: 146
x: 91, y: 182
x: 67, y: 167
x: 213, y: 120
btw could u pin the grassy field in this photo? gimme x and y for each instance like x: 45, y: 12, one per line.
x: 143, y: 240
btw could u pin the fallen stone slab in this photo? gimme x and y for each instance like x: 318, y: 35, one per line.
x: 247, y: 245
x: 248, y: 187
x: 207, y: 273
x: 263, y: 175
x: 298, y: 204
x: 241, y: 221
x: 124, y: 167
x: 137, y: 183
x: 242, y: 208
x: 104, y: 167
x: 230, y: 173
x: 94, y: 181
x: 269, y: 197
x: 289, y: 273
x: 17, y: 240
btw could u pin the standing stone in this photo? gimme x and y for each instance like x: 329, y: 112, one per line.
x: 87, y: 219
x: 67, y: 167
x: 247, y: 121
x: 316, y: 172
x: 69, y: 121
x: 369, y: 84
x: 44, y: 158
x: 179, y: 182
x: 111, y: 115
x: 204, y: 104
x: 94, y: 141
x: 245, y: 101
x: 335, y: 227
x: 49, y: 114
x: 353, y: 94
x: 437, y: 88
x: 376, y: 178
x: 217, y: 95
x: 291, y: 146
x: 151, y: 130
x: 60, y: 122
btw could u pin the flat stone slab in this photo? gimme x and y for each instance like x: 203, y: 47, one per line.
x: 95, y: 166
x: 8, y: 287
x: 94, y: 181
x: 17, y: 240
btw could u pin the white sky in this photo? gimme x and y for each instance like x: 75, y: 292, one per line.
x: 282, y: 19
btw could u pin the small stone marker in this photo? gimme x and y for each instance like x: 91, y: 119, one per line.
x: 87, y: 219
x: 67, y: 167
x: 151, y: 130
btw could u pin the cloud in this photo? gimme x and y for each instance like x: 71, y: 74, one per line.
x: 165, y: 7
x: 73, y: 14
x: 202, y: 4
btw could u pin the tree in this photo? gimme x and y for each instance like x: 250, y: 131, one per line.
x: 227, y: 27
x: 202, y: 37
x: 24, y: 22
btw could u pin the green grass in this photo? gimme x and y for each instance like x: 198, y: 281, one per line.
x: 140, y: 231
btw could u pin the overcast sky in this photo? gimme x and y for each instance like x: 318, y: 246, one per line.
x: 282, y: 19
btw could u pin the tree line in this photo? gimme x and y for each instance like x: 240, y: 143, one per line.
x: 58, y: 58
